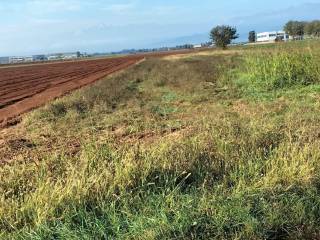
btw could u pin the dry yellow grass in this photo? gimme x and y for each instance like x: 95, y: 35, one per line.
x: 209, y: 52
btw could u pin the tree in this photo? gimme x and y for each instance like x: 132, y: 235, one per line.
x: 223, y: 35
x: 295, y: 28
x: 316, y: 28
x: 252, y: 36
x: 309, y: 29
x: 288, y: 28
x: 313, y: 28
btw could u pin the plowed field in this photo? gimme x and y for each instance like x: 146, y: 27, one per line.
x: 23, y: 88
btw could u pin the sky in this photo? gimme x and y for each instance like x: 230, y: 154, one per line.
x: 49, y: 26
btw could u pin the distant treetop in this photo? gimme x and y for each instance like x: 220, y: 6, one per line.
x: 223, y: 35
x: 252, y: 36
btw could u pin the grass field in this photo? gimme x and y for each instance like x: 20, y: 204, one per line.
x: 214, y: 145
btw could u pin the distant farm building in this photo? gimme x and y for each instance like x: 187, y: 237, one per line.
x: 28, y: 59
x: 71, y: 55
x: 55, y: 56
x: 7, y: 60
x: 64, y: 56
x: 16, y: 59
x: 272, y: 36
x: 38, y: 58
x: 197, y: 46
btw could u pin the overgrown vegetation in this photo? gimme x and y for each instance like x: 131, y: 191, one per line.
x: 223, y: 145
x: 281, y: 69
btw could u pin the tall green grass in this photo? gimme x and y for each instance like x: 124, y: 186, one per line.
x: 282, y: 68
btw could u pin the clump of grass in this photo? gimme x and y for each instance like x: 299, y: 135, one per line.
x: 79, y: 106
x: 58, y: 109
x: 272, y: 70
x: 163, y: 111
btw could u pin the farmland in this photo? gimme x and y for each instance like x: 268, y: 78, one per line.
x: 25, y: 87
x: 205, y: 145
x: 29, y: 86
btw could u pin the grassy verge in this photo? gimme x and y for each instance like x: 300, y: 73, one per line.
x: 196, y: 147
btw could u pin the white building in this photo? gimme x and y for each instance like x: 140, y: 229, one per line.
x: 197, y: 46
x: 72, y: 55
x: 16, y: 59
x: 272, y: 36
x: 63, y: 56
x: 54, y: 57
x: 28, y: 59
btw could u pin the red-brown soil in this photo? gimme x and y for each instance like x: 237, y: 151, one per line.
x: 28, y: 86
x: 23, y: 88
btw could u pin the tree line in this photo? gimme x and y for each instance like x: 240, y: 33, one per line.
x: 223, y: 35
x: 301, y: 28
